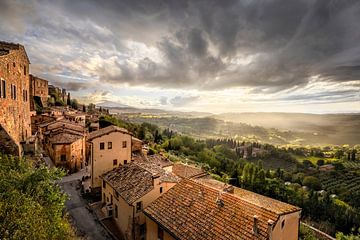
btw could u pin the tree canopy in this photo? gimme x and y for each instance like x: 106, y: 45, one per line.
x: 31, y: 204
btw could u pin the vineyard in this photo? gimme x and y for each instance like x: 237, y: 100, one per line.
x: 340, y: 182
x: 352, y: 164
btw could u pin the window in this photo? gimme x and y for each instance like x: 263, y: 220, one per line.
x: 102, y: 146
x: 142, y: 229
x: 282, y: 224
x: 7, y: 68
x: 160, y: 233
x: 109, y: 145
x: 63, y: 158
x: 138, y: 206
x: 14, y: 65
x: 115, y: 162
x: 13, y: 91
x: 3, y: 84
x: 111, y: 198
x: 104, y: 197
x: 116, y: 211
x: 161, y: 189
x: 104, y: 184
x: 124, y: 144
x: 25, y: 70
x: 125, y: 162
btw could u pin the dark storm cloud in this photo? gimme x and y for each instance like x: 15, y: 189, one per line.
x: 210, y: 44
x: 73, y: 86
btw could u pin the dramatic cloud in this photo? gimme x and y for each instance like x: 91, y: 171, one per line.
x: 180, y: 101
x: 274, y: 48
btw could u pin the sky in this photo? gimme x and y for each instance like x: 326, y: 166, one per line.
x: 188, y: 55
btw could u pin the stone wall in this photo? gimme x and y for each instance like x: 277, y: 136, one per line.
x: 14, y: 100
x: 39, y: 87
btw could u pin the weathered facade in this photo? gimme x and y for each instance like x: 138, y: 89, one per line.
x: 38, y: 88
x: 66, y: 149
x: 65, y: 143
x: 14, y: 92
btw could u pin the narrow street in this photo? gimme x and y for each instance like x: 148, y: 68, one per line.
x: 84, y: 221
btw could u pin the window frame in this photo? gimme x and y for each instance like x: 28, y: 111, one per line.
x: 124, y: 144
x: 102, y: 146
x: 109, y: 145
x: 115, y: 163
x: 139, y: 206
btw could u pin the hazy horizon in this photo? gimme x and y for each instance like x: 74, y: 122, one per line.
x: 204, y: 56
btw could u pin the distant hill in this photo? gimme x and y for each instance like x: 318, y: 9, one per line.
x: 325, y: 128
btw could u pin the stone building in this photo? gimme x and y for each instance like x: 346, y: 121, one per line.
x: 14, y: 92
x: 65, y: 143
x: 38, y: 88
x: 203, y: 210
x: 130, y: 188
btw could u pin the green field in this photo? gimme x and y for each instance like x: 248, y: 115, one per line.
x: 313, y: 159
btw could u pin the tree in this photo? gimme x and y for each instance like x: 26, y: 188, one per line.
x: 68, y: 101
x: 320, y: 162
x: 74, y: 104
x: 312, y: 182
x: 31, y: 204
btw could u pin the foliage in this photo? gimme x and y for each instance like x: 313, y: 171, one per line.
x: 306, y: 233
x: 74, y: 104
x: 312, y: 182
x: 31, y: 204
x: 342, y: 236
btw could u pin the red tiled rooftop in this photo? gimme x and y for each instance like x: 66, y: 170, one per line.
x: 189, y: 210
x: 107, y: 130
x: 187, y: 171
x: 270, y: 204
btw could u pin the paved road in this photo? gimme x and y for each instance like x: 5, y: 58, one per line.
x: 83, y: 220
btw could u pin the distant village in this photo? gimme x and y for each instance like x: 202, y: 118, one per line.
x: 141, y: 196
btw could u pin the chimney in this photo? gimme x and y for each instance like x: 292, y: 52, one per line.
x: 219, y: 200
x: 156, y: 179
x: 229, y: 189
x: 255, y: 225
x: 270, y: 228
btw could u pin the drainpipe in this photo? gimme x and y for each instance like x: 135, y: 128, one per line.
x: 133, y: 225
x: 92, y: 163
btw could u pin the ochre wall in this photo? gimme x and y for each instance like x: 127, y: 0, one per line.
x: 103, y: 159
x: 290, y: 230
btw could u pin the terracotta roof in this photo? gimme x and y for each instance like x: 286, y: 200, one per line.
x: 64, y: 138
x: 270, y: 204
x: 136, y: 139
x: 155, y: 164
x: 187, y: 171
x: 190, y: 211
x: 130, y: 181
x: 156, y: 160
x: 107, y: 130
x: 62, y: 123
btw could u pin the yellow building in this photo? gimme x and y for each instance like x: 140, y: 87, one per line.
x: 206, y: 209
x: 128, y: 189
x: 110, y: 147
